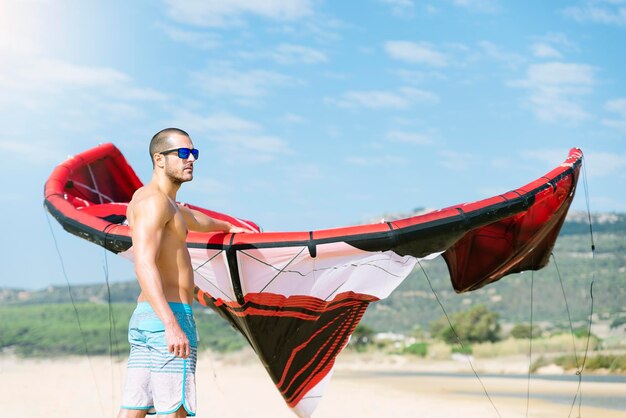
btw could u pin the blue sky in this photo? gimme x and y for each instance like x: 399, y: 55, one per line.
x: 309, y: 114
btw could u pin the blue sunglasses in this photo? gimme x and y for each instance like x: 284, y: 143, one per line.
x: 183, y: 153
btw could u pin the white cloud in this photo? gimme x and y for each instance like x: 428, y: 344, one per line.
x: 419, y: 96
x: 418, y: 77
x: 33, y: 152
x: 292, y: 118
x: 402, y: 98
x: 483, y: 6
x: 303, y: 172
x: 288, y: 54
x: 602, y: 164
x: 543, y: 50
x: 220, y: 122
x: 219, y: 13
x: 416, y: 53
x: 322, y: 29
x: 256, y: 142
x: 410, y: 137
x: 610, y: 203
x: 599, y: 164
x: 553, y: 45
x: 552, y: 106
x: 295, y: 54
x: 558, y: 74
x: 385, y: 160
x: 237, y: 138
x: 90, y: 96
x: 457, y: 161
x: 494, y: 52
x: 224, y: 80
x: 127, y: 92
x: 32, y: 78
x: 606, y: 12
x: 400, y: 8
x: 560, y: 39
x: 398, y: 3
x: 42, y: 74
x: 200, y: 40
x: 556, y: 90
x: 119, y: 110
x: 618, y: 107
x: 547, y: 157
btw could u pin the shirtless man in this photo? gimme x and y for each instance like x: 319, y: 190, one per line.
x: 161, y: 366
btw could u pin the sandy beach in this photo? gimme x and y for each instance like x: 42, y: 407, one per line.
x: 237, y: 386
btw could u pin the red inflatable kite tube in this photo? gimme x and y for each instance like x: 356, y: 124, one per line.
x: 522, y: 241
x: 72, y: 188
x: 480, y: 241
x: 88, y: 195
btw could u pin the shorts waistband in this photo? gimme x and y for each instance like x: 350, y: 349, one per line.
x: 174, y: 306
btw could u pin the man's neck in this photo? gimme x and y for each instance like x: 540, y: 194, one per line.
x: 165, y: 185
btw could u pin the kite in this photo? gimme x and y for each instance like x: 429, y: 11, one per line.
x: 298, y: 296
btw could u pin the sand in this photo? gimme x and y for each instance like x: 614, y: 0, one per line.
x: 237, y: 386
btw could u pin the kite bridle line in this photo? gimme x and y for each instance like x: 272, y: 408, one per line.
x: 580, y: 370
x: 80, y: 327
x: 530, y: 341
x: 569, y: 316
x: 579, y: 366
x: 458, y: 339
x: 112, y: 327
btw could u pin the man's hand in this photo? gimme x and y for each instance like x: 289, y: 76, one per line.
x: 236, y: 230
x: 177, y: 341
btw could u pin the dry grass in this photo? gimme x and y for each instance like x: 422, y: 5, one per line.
x: 557, y: 344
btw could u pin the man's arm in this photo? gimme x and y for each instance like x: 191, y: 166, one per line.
x: 200, y: 222
x: 150, y: 216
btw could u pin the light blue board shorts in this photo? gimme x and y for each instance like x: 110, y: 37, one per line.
x: 156, y: 380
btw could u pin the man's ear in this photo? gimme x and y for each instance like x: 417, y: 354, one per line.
x: 159, y: 160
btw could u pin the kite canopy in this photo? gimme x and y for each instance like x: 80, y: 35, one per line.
x: 298, y: 296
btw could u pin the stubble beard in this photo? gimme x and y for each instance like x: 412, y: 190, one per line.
x: 177, y: 177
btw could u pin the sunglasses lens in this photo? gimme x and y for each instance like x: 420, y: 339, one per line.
x: 183, y: 153
x: 195, y: 153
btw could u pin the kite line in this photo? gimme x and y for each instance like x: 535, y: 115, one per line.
x: 80, y: 327
x: 458, y: 339
x: 580, y: 370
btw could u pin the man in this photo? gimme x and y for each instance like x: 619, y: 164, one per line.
x: 161, y: 367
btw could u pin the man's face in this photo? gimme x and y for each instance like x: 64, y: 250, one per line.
x: 177, y: 169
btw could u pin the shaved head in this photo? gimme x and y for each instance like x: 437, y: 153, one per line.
x: 161, y: 140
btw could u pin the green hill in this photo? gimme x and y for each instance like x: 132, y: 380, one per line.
x: 46, y: 330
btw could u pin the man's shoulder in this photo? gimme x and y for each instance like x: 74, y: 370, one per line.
x: 150, y: 197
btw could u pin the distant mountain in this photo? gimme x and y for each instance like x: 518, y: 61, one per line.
x: 577, y: 222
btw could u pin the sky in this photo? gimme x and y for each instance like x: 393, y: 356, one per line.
x: 309, y: 114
